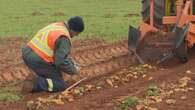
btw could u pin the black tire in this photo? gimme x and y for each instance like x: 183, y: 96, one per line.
x: 159, y: 12
x: 193, y: 7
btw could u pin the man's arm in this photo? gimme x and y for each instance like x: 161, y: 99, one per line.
x: 61, y: 55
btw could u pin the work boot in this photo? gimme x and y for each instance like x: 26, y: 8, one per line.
x: 184, y: 60
x: 28, y: 83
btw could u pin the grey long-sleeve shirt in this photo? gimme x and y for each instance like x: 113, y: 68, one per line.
x: 61, y: 56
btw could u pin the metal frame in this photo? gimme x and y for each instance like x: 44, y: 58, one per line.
x: 184, y: 15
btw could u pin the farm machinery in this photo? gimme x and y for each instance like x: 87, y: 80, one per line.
x: 166, y: 16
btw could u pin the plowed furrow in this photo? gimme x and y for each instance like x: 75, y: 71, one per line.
x: 135, y: 88
x: 106, y: 67
x: 87, y: 47
x: 9, y: 58
x: 87, y: 43
x: 95, y: 58
x: 100, y: 54
x: 14, y: 74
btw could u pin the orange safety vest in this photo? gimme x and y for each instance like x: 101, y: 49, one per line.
x: 43, y: 43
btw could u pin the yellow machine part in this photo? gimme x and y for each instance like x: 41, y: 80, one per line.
x: 170, y: 5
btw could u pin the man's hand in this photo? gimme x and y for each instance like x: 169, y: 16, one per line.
x: 76, y: 66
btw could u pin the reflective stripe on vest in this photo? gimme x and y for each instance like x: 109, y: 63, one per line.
x: 44, y: 48
x: 40, y: 41
x: 50, y: 84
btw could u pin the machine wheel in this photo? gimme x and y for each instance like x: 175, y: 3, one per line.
x: 193, y: 7
x: 160, y: 10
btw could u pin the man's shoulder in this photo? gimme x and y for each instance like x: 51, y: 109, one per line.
x: 63, y: 40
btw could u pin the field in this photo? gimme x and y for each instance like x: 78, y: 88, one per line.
x: 106, y: 19
x: 115, y: 80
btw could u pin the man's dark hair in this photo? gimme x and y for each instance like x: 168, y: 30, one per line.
x: 76, y: 24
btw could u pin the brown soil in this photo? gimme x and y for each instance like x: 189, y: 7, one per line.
x: 59, y: 14
x: 37, y: 14
x: 107, y: 58
x: 107, y: 66
x: 148, y: 45
x: 132, y: 14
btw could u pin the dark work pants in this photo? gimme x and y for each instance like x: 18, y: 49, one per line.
x: 44, y: 71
